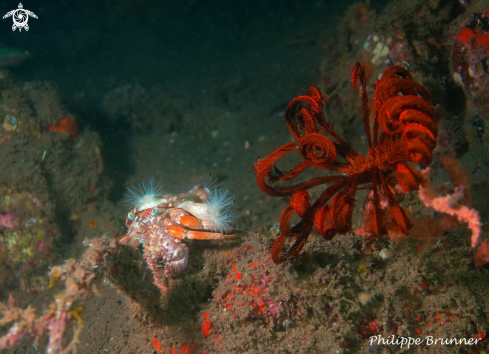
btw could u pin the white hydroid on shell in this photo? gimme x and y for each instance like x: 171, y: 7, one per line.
x: 145, y: 196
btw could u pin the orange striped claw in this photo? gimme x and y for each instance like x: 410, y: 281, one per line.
x: 177, y: 231
x: 208, y: 235
x: 189, y: 221
x: 181, y: 233
x: 183, y: 218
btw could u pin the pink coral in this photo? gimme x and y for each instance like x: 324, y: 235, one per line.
x: 450, y: 205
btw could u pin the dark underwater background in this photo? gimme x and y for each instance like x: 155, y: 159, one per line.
x: 183, y: 48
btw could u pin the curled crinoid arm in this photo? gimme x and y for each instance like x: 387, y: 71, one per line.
x: 301, y: 111
x: 301, y: 205
x: 357, y: 74
x: 277, y: 249
x: 342, y: 208
x: 323, y: 222
x: 400, y: 221
x: 265, y: 174
x: 407, y: 177
x: 317, y: 150
x: 404, y: 109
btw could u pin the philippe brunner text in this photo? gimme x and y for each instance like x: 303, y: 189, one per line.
x: 429, y: 340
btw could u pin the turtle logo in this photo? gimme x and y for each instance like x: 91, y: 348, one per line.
x: 20, y: 17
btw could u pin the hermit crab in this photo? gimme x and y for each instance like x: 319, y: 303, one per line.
x: 160, y: 221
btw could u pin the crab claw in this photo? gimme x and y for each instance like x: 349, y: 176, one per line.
x: 183, y: 218
x: 181, y: 233
x: 208, y: 235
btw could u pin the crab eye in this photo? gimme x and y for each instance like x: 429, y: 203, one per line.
x: 154, y: 211
x: 131, y: 216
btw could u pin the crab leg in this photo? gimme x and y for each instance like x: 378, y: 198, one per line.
x: 154, y: 269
